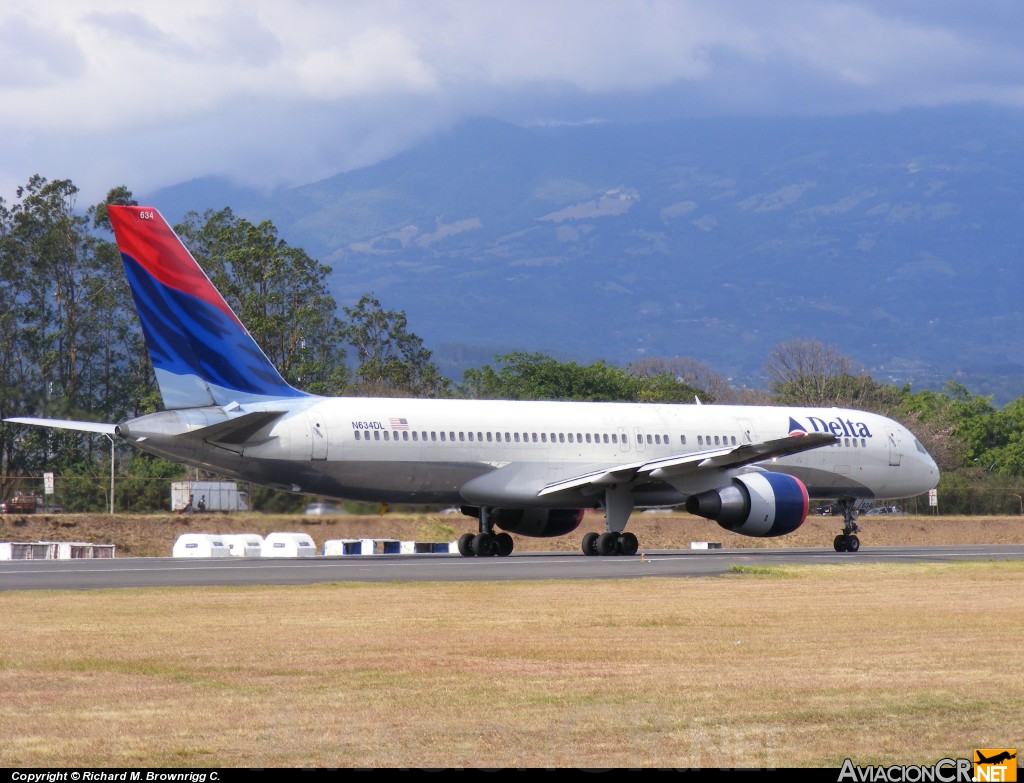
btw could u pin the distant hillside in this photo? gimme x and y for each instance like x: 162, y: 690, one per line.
x: 897, y: 238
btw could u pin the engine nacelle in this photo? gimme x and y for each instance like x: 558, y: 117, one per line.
x: 755, y: 504
x: 538, y: 522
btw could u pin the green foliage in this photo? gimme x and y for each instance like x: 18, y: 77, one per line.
x: 534, y: 376
x: 274, y: 501
x: 392, y: 360
x: 145, y: 482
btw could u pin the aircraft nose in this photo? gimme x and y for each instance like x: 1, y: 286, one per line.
x: 928, y: 467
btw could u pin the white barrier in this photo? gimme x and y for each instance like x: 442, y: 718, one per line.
x: 54, y: 550
x: 384, y: 546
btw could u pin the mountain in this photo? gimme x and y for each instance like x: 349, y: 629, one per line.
x: 895, y: 237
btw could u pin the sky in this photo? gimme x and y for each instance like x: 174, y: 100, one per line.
x: 276, y: 93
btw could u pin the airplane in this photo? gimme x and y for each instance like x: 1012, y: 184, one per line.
x: 999, y: 758
x: 524, y: 467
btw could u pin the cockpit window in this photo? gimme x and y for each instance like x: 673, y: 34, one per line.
x: 920, y: 448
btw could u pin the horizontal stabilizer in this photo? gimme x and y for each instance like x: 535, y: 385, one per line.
x: 66, y: 424
x: 238, y: 429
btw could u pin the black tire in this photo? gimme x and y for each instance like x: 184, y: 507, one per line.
x: 503, y: 544
x: 628, y: 545
x: 590, y: 544
x: 483, y: 545
x: 840, y: 543
x: 852, y: 544
x: 466, y: 544
x: 608, y: 544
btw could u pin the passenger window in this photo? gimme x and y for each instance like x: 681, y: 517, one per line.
x: 356, y: 433
x: 376, y: 434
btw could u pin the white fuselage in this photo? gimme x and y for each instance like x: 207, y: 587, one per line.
x: 401, y: 450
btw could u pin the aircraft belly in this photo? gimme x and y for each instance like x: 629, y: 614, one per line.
x: 369, y: 481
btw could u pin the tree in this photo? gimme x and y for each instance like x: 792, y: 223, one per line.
x: 392, y: 360
x: 67, y: 325
x: 278, y: 292
x: 807, y: 372
x: 696, y: 375
x: 524, y: 376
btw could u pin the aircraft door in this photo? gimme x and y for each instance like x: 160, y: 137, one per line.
x: 895, y: 452
x: 747, y: 432
x: 317, y: 435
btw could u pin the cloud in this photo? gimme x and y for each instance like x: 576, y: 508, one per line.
x: 276, y: 92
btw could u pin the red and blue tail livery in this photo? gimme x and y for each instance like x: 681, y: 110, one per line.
x: 201, y: 352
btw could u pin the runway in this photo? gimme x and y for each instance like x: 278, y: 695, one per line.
x: 202, y: 572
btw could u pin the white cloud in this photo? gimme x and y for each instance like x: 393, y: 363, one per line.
x: 271, y: 91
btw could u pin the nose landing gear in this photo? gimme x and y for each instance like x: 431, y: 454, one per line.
x: 847, y: 541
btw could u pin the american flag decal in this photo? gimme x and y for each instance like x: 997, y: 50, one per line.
x: 399, y: 424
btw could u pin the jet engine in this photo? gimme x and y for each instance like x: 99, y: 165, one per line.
x: 755, y: 504
x: 538, y: 522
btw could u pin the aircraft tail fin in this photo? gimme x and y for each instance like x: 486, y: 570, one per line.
x: 201, y: 352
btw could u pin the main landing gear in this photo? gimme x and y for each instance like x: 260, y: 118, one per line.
x: 610, y: 544
x: 618, y: 505
x: 847, y: 541
x: 486, y: 543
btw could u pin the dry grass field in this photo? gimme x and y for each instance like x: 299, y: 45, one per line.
x: 767, y: 667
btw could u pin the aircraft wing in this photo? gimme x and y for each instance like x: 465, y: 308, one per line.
x: 66, y: 424
x: 667, y: 467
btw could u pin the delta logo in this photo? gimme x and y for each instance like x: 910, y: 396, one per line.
x: 998, y: 765
x: 841, y: 428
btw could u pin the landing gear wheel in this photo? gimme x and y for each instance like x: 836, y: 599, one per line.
x: 847, y: 541
x: 628, y: 544
x: 590, y: 544
x: 503, y: 544
x: 466, y: 544
x: 608, y: 544
x: 483, y: 545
